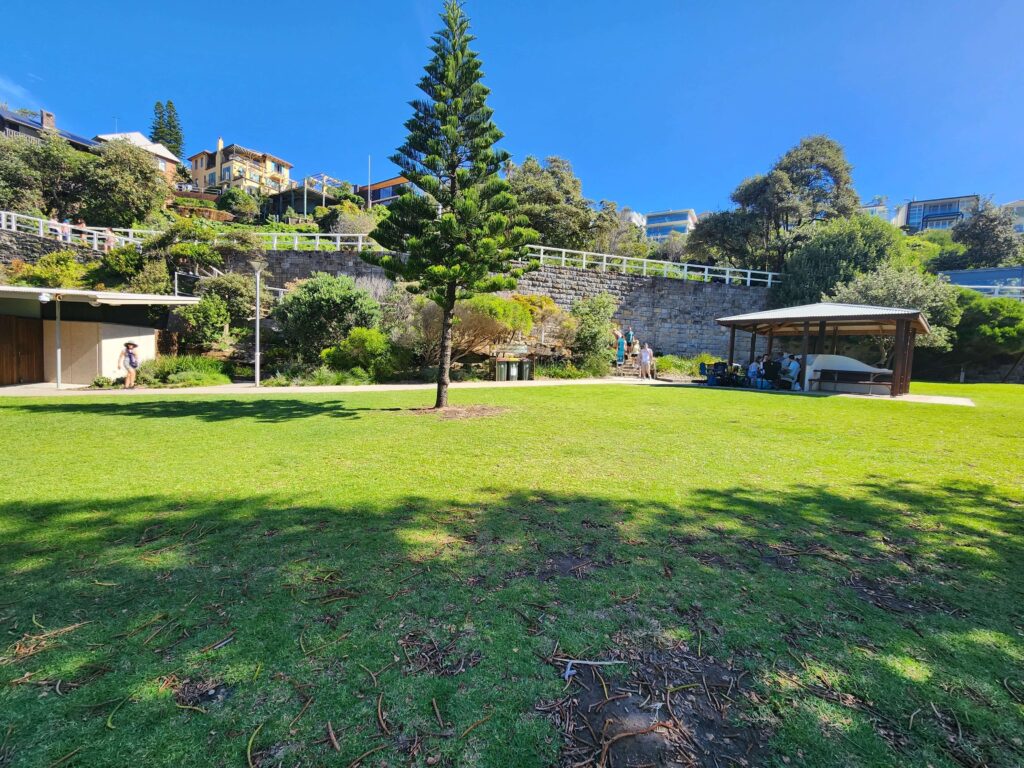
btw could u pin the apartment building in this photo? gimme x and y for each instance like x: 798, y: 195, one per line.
x: 661, y: 224
x: 384, y: 192
x: 237, y: 166
x: 938, y: 213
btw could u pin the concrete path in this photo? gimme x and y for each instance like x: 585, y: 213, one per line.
x: 50, y: 390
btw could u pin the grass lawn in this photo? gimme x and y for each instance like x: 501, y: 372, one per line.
x: 809, y: 581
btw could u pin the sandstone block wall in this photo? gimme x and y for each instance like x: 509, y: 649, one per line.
x: 675, y: 316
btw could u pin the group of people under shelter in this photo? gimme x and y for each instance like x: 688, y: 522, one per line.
x: 763, y: 372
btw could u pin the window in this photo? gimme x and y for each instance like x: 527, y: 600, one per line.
x: 211, y: 178
x: 161, y: 164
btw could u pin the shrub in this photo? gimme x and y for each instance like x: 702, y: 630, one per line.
x: 102, y: 382
x: 321, y: 311
x: 563, y: 369
x: 238, y: 292
x: 123, y: 262
x: 686, y: 366
x: 240, y: 203
x: 596, y: 365
x: 196, y: 379
x: 365, y: 348
x: 990, y: 328
x: 153, y: 277
x: 60, y: 269
x: 159, y: 370
x: 594, y: 325
x: 203, y: 324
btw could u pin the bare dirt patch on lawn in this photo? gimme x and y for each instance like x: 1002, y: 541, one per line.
x: 658, y: 706
x: 458, y: 412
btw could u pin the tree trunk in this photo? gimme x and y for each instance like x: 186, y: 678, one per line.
x: 445, y: 357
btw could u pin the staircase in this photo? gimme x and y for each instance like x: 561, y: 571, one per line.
x: 630, y: 367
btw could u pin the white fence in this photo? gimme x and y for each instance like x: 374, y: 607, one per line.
x: 104, y: 239
x: 998, y: 291
x: 607, y: 262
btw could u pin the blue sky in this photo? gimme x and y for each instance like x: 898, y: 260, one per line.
x: 658, y: 104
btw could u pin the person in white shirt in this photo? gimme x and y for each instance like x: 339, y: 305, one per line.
x: 646, y: 362
x: 794, y: 372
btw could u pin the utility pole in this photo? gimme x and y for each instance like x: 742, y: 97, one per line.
x: 369, y: 182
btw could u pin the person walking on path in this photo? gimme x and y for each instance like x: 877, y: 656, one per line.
x: 647, y: 362
x: 620, y: 351
x: 129, y: 361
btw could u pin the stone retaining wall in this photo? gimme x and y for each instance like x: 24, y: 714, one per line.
x: 675, y: 316
x: 19, y: 245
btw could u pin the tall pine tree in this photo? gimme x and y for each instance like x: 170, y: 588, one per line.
x: 158, y: 129
x: 174, y: 137
x: 464, y: 234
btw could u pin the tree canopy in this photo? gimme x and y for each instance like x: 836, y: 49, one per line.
x: 810, y: 183
x: 891, y: 285
x: 166, y: 127
x: 988, y: 239
x: 551, y: 197
x: 463, y: 235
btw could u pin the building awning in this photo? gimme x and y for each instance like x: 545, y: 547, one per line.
x: 841, y: 319
x: 95, y: 298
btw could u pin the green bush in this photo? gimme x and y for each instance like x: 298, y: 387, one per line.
x: 60, y: 269
x: 124, y: 262
x: 321, y: 311
x: 102, y: 382
x: 152, y: 278
x: 594, y: 325
x: 559, y: 370
x: 686, y: 366
x: 240, y: 203
x: 190, y: 202
x: 365, y: 348
x: 196, y: 379
x: 596, y: 365
x: 239, y: 294
x: 159, y: 370
x: 203, y: 323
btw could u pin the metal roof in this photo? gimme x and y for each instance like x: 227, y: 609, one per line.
x: 846, y: 319
x: 96, y: 298
x: 136, y: 138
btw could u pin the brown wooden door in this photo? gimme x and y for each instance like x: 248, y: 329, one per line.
x: 8, y: 350
x: 30, y: 350
x: 21, y: 350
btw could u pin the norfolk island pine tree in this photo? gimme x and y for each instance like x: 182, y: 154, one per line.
x: 463, y: 235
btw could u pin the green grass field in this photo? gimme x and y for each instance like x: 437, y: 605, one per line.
x: 210, y: 581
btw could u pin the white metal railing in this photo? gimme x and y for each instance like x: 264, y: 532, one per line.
x: 997, y: 291
x: 607, y: 262
x: 187, y: 287
x: 100, y: 239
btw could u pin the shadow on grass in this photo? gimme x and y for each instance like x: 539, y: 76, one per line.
x: 264, y: 409
x: 299, y: 610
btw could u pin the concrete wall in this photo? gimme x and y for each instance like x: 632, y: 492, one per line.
x: 89, y: 350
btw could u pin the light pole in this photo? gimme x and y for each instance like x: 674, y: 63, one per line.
x: 258, y: 264
x: 46, y: 298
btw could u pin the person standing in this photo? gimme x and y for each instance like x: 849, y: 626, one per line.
x: 129, y: 361
x: 630, y: 336
x: 620, y: 351
x: 646, y: 362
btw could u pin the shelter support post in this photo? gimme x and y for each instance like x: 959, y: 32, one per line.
x: 753, y: 344
x: 819, y: 343
x: 732, y: 344
x: 899, y: 359
x: 771, y: 340
x: 804, y: 346
x: 835, y: 340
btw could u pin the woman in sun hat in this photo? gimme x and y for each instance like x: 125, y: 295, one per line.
x: 129, y: 360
